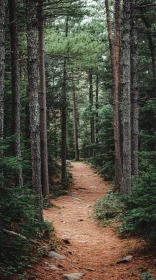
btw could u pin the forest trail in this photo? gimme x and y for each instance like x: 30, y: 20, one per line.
x: 93, y: 250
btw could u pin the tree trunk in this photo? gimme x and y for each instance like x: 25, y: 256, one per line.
x: 75, y: 125
x: 43, y: 109
x: 92, y: 129
x: 2, y: 65
x: 15, y: 80
x: 64, y: 114
x: 63, y: 124
x: 126, y: 187
x: 2, y: 73
x: 117, y: 43
x: 34, y: 109
x: 115, y: 62
x: 97, y: 105
x: 134, y: 89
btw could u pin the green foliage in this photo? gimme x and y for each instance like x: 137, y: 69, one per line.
x: 55, y: 192
x: 109, y: 208
x: 18, y: 214
x: 66, y: 184
x: 10, y: 165
x: 82, y: 48
x: 18, y: 227
x: 147, y: 275
x: 147, y: 126
x: 103, y: 159
x: 146, y: 158
x: 140, y: 217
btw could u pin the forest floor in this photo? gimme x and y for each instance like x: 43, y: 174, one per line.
x: 88, y: 247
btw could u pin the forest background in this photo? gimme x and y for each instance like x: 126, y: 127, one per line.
x: 77, y: 80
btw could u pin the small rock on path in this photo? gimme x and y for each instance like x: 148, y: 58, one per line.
x: 54, y: 255
x: 73, y: 276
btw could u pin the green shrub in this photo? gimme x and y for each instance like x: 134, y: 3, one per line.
x: 140, y: 217
x: 147, y: 276
x: 109, y: 208
x: 56, y: 192
x: 19, y: 229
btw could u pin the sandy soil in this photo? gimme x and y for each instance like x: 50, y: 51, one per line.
x: 92, y: 250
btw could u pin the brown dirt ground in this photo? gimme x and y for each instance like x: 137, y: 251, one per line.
x: 93, y: 250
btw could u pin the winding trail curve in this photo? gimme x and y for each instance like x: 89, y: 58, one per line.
x: 92, y: 250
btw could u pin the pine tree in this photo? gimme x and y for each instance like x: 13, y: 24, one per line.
x: 15, y: 73
x: 126, y: 103
x: 43, y: 108
x: 134, y: 90
x: 34, y: 109
x: 76, y: 145
x: 2, y: 65
x: 114, y: 46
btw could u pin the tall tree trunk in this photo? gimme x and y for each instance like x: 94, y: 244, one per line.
x: 91, y: 101
x: 126, y: 187
x: 64, y: 114
x: 75, y: 124
x: 2, y: 73
x: 115, y: 62
x: 117, y: 43
x: 34, y: 109
x: 134, y: 89
x: 97, y: 105
x: 43, y: 109
x: 2, y: 65
x: 15, y: 75
x: 63, y: 124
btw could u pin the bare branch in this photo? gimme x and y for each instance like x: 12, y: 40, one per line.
x: 14, y: 233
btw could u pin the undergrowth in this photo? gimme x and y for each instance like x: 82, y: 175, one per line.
x: 60, y: 188
x: 136, y: 211
x: 109, y: 209
x: 140, y: 207
x: 56, y: 192
x: 20, y: 231
x: 147, y: 275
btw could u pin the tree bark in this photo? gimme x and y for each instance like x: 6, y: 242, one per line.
x: 63, y: 124
x: 2, y: 65
x: 15, y: 80
x: 91, y: 101
x: 126, y: 104
x: 64, y: 115
x: 134, y: 89
x: 2, y: 73
x: 115, y: 62
x: 34, y: 109
x: 43, y: 108
x: 117, y: 43
x: 75, y: 125
x: 97, y: 106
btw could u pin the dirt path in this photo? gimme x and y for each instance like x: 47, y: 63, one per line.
x: 93, y: 250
